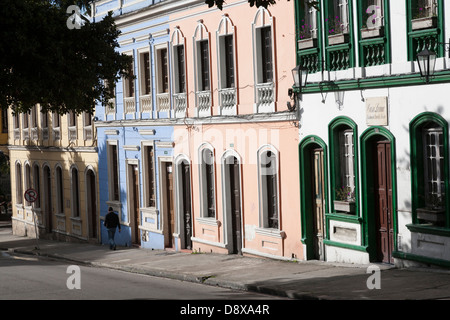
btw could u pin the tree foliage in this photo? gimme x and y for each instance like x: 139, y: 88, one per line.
x: 43, y: 61
x: 258, y: 3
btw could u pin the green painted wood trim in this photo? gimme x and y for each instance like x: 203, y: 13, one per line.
x: 412, y: 79
x: 385, y: 39
x: 422, y: 259
x: 436, y: 31
x: 367, y: 200
x: 345, y: 245
x: 333, y: 141
x: 428, y: 229
x: 417, y: 174
x: 350, y: 45
x: 343, y: 217
x: 305, y: 188
x: 299, y: 14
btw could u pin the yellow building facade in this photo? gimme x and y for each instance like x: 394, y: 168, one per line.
x: 56, y: 156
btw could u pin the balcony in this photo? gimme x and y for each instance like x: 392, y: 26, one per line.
x: 72, y: 133
x: 129, y: 105
x: 227, y: 98
x: 204, y: 103
x: 163, y: 102
x: 145, y: 103
x: 265, y: 97
x: 180, y: 104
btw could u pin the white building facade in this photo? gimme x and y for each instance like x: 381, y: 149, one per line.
x: 373, y: 152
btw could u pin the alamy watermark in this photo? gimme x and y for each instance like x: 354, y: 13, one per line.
x: 76, y: 20
x: 374, y: 280
x: 74, y: 280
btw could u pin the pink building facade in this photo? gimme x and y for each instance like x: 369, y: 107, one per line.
x: 236, y: 173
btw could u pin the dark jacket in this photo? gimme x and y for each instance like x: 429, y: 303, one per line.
x: 112, y: 221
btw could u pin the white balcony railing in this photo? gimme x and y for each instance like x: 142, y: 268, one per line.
x: 162, y: 102
x: 72, y: 133
x: 145, y: 103
x: 180, y: 104
x: 34, y: 134
x: 111, y: 108
x: 204, y: 103
x: 130, y: 105
x: 265, y: 97
x: 227, y: 100
x: 16, y: 134
x: 56, y: 133
x: 87, y: 133
x: 44, y: 133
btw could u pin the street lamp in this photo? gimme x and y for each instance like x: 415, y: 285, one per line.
x: 300, y: 75
x: 427, y: 62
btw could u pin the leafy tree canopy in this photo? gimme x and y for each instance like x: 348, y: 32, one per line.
x: 44, y: 61
x: 258, y: 3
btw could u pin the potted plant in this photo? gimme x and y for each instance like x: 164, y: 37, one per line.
x: 344, y: 200
x: 375, y: 32
x: 434, y: 211
x: 307, y: 39
x: 423, y: 20
x: 337, y: 31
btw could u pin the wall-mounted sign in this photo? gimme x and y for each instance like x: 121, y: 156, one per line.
x: 377, y: 111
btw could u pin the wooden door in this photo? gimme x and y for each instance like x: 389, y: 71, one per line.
x: 383, y: 203
x: 235, y: 205
x: 169, y: 205
x: 135, y: 203
x: 318, y: 203
x: 92, y: 204
x: 186, y: 209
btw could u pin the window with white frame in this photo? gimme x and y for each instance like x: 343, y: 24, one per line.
x: 346, y: 160
x: 226, y: 66
x: 87, y: 125
x: 338, y: 20
x: 19, y: 188
x: 179, y: 73
x: 37, y: 185
x: 202, y: 70
x: 44, y: 124
x: 113, y: 171
x: 268, y: 187
x: 145, y: 85
x: 207, y: 183
x: 25, y: 125
x: 425, y: 8
x: 72, y: 125
x: 162, y: 78
x: 433, y: 142
x: 56, y: 124
x: 149, y: 175
x: 75, y: 192
x: 59, y: 190
x: 264, y: 64
x: 128, y: 90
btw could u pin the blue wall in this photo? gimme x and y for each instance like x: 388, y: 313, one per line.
x: 128, y: 127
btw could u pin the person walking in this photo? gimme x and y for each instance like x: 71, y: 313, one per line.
x: 111, y: 223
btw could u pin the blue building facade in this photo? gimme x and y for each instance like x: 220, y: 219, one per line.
x: 135, y: 135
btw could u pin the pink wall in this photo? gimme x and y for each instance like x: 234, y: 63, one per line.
x: 244, y: 137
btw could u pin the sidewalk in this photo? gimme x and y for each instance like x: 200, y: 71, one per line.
x: 298, y: 280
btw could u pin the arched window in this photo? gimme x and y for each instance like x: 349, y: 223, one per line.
x: 37, y: 185
x: 268, y: 187
x: 19, y: 188
x: 75, y: 192
x: 59, y: 190
x: 207, y: 182
x: 430, y: 169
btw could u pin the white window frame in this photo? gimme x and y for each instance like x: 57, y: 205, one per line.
x: 129, y: 98
x: 72, y: 130
x: 145, y: 99
x: 262, y: 185
x: 438, y: 158
x: 347, y: 159
x: 203, y: 106
x: 179, y: 95
x: 145, y: 175
x: 162, y: 97
x: 206, y: 147
x: 265, y: 93
x: 228, y: 96
x: 109, y: 144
